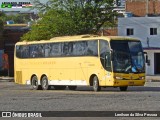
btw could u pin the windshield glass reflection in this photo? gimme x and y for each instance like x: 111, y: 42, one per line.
x: 128, y: 56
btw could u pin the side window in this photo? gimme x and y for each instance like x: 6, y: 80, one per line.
x: 18, y: 51
x: 70, y: 48
x: 67, y: 48
x: 55, y: 49
x: 85, y: 48
x: 47, y: 49
x: 33, y: 49
x: 40, y: 50
x: 25, y: 52
x: 22, y: 51
x: 81, y: 48
x: 92, y: 48
x: 105, y: 56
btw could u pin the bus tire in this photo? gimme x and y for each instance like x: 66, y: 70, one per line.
x: 34, y: 83
x: 96, y: 86
x: 59, y: 87
x: 123, y: 88
x: 44, y: 83
x: 72, y: 87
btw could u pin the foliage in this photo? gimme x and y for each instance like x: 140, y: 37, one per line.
x: 87, y: 14
x: 18, y: 18
x: 51, y: 25
x: 68, y: 17
x: 1, y: 21
x: 1, y: 25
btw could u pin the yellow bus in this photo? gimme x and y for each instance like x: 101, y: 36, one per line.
x: 84, y: 60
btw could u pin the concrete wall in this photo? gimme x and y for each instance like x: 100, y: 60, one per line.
x: 141, y: 26
x: 150, y: 70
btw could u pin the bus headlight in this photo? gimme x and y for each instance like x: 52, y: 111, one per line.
x: 142, y: 78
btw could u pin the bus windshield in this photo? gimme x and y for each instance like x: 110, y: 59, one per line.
x: 128, y: 57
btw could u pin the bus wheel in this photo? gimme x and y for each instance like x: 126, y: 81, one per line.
x: 123, y: 88
x: 72, y: 87
x: 34, y: 83
x: 96, y: 86
x: 59, y: 87
x: 44, y: 83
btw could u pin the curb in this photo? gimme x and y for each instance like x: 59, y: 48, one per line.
x: 6, y: 79
x: 153, y: 78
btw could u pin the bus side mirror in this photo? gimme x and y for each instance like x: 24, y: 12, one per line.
x: 112, y: 55
x: 146, y: 57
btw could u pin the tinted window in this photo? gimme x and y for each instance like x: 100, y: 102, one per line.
x: 47, y: 49
x: 79, y: 48
x: 92, y: 48
x: 105, y: 56
x: 22, y: 51
x: 89, y: 48
x: 128, y: 56
x: 67, y: 49
x: 36, y: 50
x: 55, y: 49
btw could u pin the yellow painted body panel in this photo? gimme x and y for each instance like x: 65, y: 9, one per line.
x: 71, y: 68
x: 128, y: 79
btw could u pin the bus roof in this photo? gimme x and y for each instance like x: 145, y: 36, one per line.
x: 78, y: 38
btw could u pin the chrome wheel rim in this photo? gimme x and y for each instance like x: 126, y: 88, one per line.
x: 44, y: 83
x: 95, y: 84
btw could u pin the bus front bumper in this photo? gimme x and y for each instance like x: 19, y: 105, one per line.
x: 128, y: 83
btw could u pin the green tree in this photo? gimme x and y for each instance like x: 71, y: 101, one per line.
x: 53, y: 23
x: 18, y: 18
x: 1, y: 21
x: 68, y: 17
x: 88, y: 15
x: 1, y: 25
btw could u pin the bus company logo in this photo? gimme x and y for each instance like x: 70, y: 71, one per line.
x: 6, y: 114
